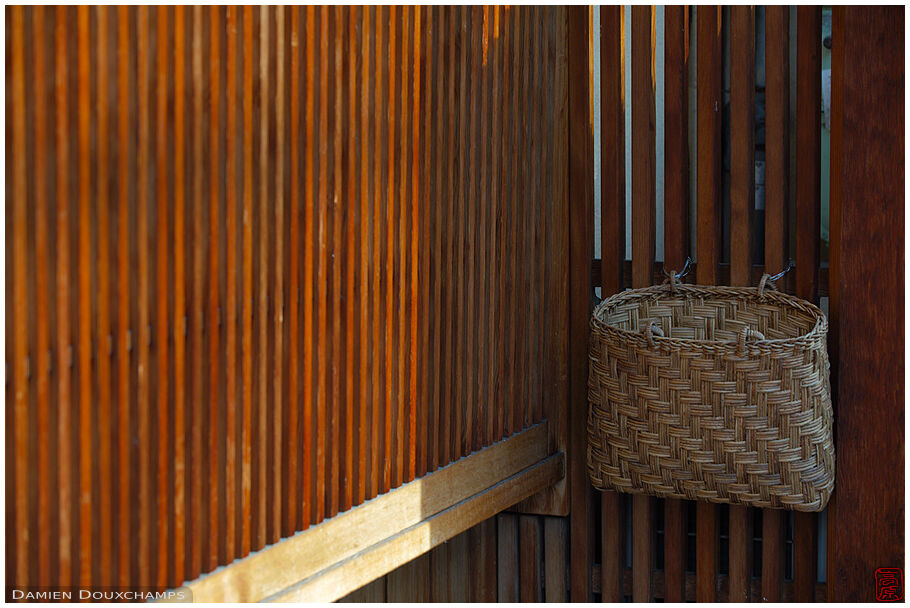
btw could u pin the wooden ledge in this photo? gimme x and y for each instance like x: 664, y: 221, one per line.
x: 327, y: 561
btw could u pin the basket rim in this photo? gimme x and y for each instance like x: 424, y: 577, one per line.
x: 818, y: 331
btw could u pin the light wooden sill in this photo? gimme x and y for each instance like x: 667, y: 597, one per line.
x: 327, y: 561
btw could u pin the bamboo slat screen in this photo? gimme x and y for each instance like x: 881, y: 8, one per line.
x: 670, y: 549
x: 264, y: 264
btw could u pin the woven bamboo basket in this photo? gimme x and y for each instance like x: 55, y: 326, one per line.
x: 711, y: 393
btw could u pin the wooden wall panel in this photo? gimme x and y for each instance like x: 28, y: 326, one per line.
x: 254, y: 282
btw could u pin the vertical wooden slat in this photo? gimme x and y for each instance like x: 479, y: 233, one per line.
x: 510, y: 44
x: 446, y: 445
x: 613, y: 171
x: 42, y: 303
x: 403, y: 320
x: 142, y: 386
x: 642, y: 248
x: 336, y: 253
x: 529, y: 555
x: 278, y: 287
x: 261, y: 533
x: 581, y: 203
x: 742, y: 170
x: 197, y: 345
x: 774, y: 528
x: 161, y: 306
x: 777, y: 137
x: 613, y: 228
x: 497, y: 228
x: 321, y: 294
x: 709, y: 102
x: 214, y: 310
x: 63, y: 345
x: 489, y: 140
x: 612, y: 543
x: 675, y: 544
x: 435, y: 202
x: 676, y: 242
x: 291, y: 464
x: 230, y: 315
x: 836, y: 123
x: 708, y: 112
x: 481, y: 165
x: 179, y: 481
x: 377, y: 324
x: 391, y: 412
x: 808, y: 149
x: 417, y: 260
x: 473, y: 348
x: 524, y: 225
x: 439, y: 574
x: 676, y: 137
x: 307, y: 463
x: 808, y: 209
x: 458, y: 569
x: 533, y: 146
x: 427, y: 370
x: 507, y: 557
x: 481, y: 555
x: 351, y: 218
x: 246, y: 418
x: 104, y: 337
x: 458, y: 194
x: 543, y: 409
x: 84, y: 273
x: 555, y: 559
x: 291, y: 496
x: 23, y: 543
x: 742, y: 205
x: 777, y: 144
x: 365, y: 381
x: 867, y: 198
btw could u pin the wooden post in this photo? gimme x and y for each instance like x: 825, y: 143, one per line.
x: 866, y: 520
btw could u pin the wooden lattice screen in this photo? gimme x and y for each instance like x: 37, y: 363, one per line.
x: 680, y: 551
x: 265, y: 264
x: 748, y: 534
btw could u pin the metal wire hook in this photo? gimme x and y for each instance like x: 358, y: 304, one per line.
x: 790, y: 266
x: 683, y: 272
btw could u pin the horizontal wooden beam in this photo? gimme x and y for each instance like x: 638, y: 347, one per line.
x: 310, y: 552
x: 383, y: 557
x: 723, y: 275
x: 722, y: 590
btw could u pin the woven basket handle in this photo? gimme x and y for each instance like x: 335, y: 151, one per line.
x: 765, y: 282
x: 745, y: 334
x: 650, y: 330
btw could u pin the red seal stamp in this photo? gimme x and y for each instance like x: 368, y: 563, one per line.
x: 889, y: 584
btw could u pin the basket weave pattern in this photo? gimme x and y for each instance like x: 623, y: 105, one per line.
x: 686, y: 403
